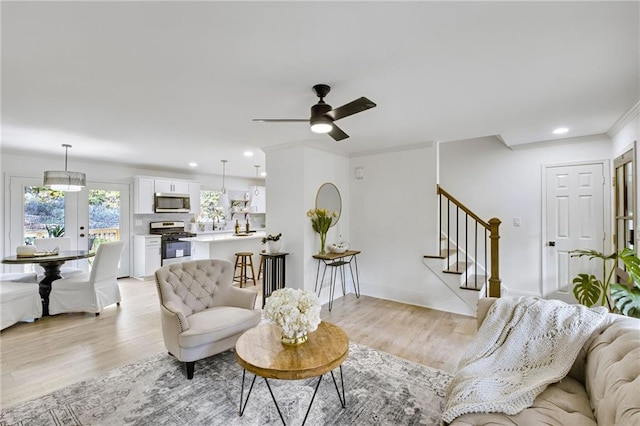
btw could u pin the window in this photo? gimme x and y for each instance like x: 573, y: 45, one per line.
x: 104, y: 217
x: 43, y: 213
x: 210, y: 210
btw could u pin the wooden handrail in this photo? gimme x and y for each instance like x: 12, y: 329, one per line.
x: 492, y: 226
x: 463, y: 207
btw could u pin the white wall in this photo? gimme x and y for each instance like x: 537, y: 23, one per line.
x: 496, y: 181
x: 294, y: 174
x: 394, y: 223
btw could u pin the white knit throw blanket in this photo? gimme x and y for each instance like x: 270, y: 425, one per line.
x: 523, y: 345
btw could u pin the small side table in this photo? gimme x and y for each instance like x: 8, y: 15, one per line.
x: 260, y: 352
x: 337, y: 262
x: 274, y: 273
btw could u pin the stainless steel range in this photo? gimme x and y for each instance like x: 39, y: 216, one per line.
x: 172, y: 249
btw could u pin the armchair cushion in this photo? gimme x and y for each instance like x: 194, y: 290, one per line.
x: 216, y: 324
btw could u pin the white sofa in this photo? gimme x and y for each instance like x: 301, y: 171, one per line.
x: 19, y: 302
x: 602, y: 388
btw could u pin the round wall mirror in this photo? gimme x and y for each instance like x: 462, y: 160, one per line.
x: 328, y: 197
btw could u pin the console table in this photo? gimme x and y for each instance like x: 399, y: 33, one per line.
x: 337, y: 263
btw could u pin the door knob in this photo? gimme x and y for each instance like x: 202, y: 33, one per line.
x: 551, y: 243
x: 82, y: 235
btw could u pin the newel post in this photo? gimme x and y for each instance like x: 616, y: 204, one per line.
x: 494, y: 279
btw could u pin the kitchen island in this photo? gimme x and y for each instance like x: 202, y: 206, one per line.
x: 225, y: 245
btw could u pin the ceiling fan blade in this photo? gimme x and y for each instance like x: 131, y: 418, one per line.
x: 337, y: 134
x: 281, y: 120
x: 359, y: 105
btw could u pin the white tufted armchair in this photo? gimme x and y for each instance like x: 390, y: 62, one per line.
x: 202, y: 313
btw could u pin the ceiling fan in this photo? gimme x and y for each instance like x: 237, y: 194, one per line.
x: 323, y: 116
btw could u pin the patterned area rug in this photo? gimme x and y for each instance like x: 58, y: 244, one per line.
x: 381, y: 389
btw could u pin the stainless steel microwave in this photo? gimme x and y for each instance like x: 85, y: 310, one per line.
x: 172, y: 203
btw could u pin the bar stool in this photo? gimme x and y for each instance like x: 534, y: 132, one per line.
x: 244, y: 260
x: 261, y: 267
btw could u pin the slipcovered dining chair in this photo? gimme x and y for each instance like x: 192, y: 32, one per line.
x: 202, y: 313
x: 19, y: 277
x: 19, y: 301
x: 49, y: 244
x: 89, y: 292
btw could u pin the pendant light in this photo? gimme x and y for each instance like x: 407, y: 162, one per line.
x: 257, y: 166
x: 224, y: 165
x: 64, y: 180
x: 224, y: 198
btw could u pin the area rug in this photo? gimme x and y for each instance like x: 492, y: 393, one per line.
x: 381, y: 389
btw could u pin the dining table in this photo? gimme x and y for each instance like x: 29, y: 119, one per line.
x: 51, y: 264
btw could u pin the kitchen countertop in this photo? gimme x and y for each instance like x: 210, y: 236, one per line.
x: 228, y: 236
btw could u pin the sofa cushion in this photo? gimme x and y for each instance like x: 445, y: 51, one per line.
x: 562, y: 403
x: 217, y: 323
x: 612, y: 373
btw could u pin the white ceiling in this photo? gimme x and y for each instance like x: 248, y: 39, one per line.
x: 159, y: 84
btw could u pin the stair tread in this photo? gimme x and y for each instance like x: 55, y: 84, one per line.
x: 470, y: 283
x: 457, y: 268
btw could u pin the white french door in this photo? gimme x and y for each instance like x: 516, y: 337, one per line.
x: 86, y: 219
x: 574, y: 215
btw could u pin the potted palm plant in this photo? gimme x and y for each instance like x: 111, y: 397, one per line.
x: 589, y: 290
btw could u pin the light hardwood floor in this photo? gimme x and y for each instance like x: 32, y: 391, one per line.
x: 54, y: 352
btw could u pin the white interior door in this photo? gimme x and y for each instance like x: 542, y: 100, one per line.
x: 575, y: 219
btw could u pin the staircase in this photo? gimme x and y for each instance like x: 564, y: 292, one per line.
x: 468, y: 261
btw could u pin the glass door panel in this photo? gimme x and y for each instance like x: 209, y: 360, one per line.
x: 103, y: 216
x: 625, y: 205
x: 44, y: 213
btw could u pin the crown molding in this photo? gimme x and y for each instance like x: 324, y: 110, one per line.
x: 408, y: 147
x: 625, y: 119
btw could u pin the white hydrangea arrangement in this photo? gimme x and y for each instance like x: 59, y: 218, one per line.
x: 296, y: 312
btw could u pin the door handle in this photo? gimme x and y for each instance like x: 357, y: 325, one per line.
x: 551, y: 243
x: 82, y: 235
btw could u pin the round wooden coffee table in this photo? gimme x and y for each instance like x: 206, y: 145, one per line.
x: 260, y: 351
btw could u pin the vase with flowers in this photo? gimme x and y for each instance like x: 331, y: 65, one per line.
x: 272, y: 242
x: 296, y: 312
x: 321, y: 221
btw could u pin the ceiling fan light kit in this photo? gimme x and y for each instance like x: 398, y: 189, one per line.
x: 323, y: 116
x: 321, y: 124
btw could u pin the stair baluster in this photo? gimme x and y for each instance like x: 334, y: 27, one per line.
x: 491, y: 234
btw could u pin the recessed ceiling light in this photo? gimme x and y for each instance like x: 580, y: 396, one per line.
x: 560, y: 130
x: 192, y: 164
x: 248, y: 154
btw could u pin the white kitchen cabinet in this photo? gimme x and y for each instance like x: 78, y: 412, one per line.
x: 145, y: 187
x: 258, y: 202
x: 143, y: 195
x: 194, y: 196
x: 146, y: 256
x: 171, y: 186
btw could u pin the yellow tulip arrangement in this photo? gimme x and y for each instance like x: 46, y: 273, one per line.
x: 321, y: 221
